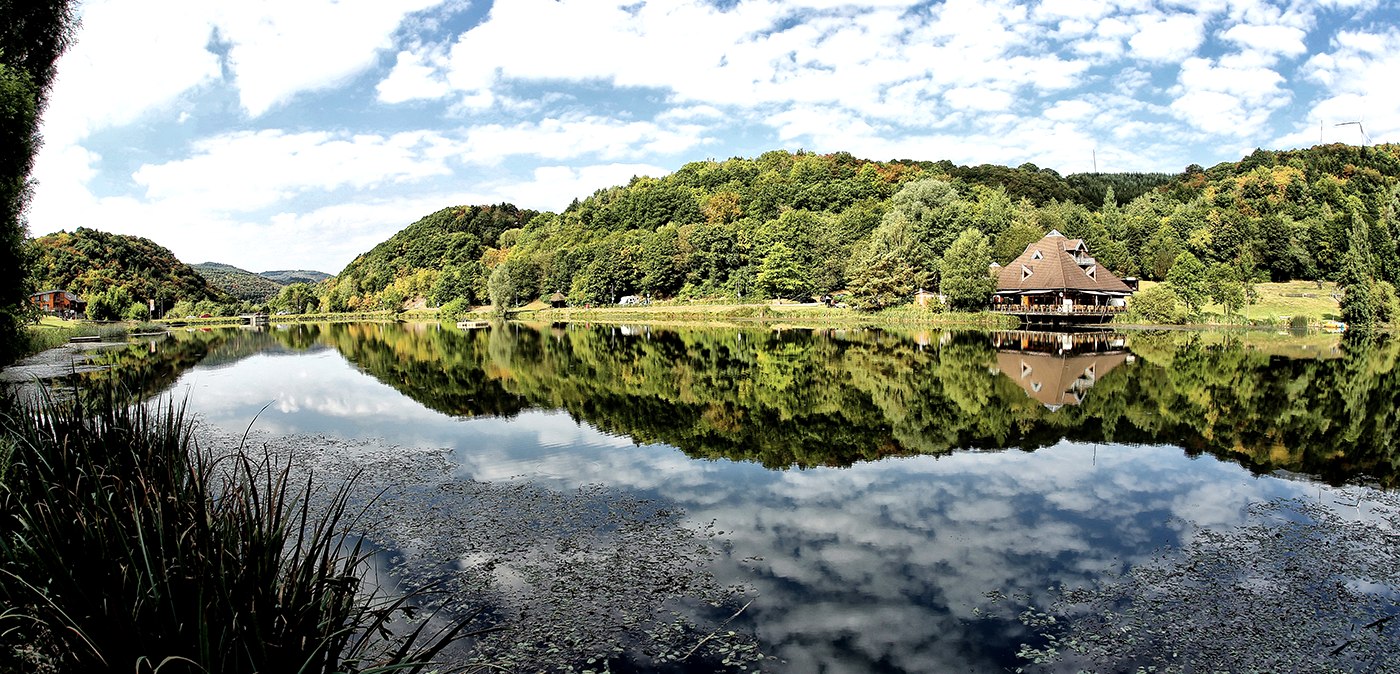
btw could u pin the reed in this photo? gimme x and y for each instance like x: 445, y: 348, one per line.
x: 126, y: 548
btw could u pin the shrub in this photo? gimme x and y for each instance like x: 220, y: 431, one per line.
x: 454, y: 311
x: 1158, y: 304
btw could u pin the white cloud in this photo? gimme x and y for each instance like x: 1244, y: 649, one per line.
x: 248, y: 171
x: 553, y: 187
x: 1166, y: 37
x: 983, y: 100
x: 124, y: 66
x: 414, y: 77
x: 1355, y: 85
x: 279, y: 48
x: 570, y: 138
x: 1284, y: 40
x: 1070, y: 110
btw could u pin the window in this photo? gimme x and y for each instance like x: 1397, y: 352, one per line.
x: 1092, y: 272
x: 1026, y: 272
x: 1036, y: 255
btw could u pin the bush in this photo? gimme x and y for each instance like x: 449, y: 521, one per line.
x: 138, y: 311
x: 454, y: 311
x: 1158, y: 304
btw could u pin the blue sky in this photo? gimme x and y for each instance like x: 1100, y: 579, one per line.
x: 276, y: 134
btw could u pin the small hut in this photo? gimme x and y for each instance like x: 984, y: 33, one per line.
x: 558, y: 301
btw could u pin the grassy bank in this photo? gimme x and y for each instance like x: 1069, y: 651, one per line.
x: 807, y: 315
x: 124, y: 548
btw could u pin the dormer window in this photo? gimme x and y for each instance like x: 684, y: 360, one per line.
x: 1036, y: 255
x: 1092, y: 272
x: 1026, y: 272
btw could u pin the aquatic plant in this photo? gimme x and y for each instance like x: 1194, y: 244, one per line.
x: 124, y: 547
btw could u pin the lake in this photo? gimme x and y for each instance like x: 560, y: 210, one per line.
x: 845, y: 500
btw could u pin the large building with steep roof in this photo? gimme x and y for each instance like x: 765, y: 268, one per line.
x: 1057, y: 278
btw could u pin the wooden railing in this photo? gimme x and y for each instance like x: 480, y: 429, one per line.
x: 1058, y: 309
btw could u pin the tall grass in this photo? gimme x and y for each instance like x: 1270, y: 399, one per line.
x: 125, y: 548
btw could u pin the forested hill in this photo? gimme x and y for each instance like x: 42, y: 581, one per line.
x: 128, y: 269
x: 796, y: 225
x: 443, y: 256
x: 89, y: 261
x: 240, y: 283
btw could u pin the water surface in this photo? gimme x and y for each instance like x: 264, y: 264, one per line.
x: 872, y: 487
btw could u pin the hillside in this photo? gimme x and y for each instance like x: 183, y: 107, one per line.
x: 289, y: 276
x: 240, y: 283
x: 438, y: 257
x: 802, y: 224
x: 90, y: 262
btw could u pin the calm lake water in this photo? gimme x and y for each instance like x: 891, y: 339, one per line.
x: 868, y: 488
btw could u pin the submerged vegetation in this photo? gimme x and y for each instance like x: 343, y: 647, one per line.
x: 125, y: 548
x: 1301, y: 587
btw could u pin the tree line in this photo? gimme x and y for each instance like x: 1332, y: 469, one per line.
x: 800, y: 225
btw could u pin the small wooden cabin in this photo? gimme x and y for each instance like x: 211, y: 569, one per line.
x: 58, y: 301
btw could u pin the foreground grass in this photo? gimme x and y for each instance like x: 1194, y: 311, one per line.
x: 123, y: 548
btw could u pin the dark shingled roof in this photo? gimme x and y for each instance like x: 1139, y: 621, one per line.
x: 1049, y: 264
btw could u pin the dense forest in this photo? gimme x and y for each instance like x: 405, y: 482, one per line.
x: 799, y: 225
x: 119, y: 274
x: 240, y: 283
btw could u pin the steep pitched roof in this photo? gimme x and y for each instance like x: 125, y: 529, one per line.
x: 1048, y: 264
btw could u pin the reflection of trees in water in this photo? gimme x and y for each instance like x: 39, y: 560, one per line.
x: 801, y: 398
x: 807, y: 398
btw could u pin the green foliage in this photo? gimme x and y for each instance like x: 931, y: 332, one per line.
x: 240, y: 284
x: 136, y: 311
x: 296, y: 298
x: 966, y: 281
x: 1013, y: 241
x: 880, y: 229
x: 454, y: 311
x: 782, y: 274
x: 450, y: 242
x: 32, y: 36
x: 513, y: 283
x: 1188, y: 279
x: 89, y: 262
x: 109, y: 304
x: 1158, y: 304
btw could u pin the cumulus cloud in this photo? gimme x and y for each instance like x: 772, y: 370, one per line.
x: 1282, y: 40
x: 414, y: 77
x: 1166, y: 37
x: 278, y: 49
x: 121, y: 69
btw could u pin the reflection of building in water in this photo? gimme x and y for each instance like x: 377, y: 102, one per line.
x: 1058, y: 368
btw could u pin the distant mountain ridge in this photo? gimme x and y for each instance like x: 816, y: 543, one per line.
x: 257, y: 287
x: 240, y: 283
x: 290, y: 276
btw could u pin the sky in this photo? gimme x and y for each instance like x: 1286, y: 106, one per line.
x: 297, y: 134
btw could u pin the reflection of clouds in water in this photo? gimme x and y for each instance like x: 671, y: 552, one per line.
x: 875, y: 566
x: 308, y: 393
